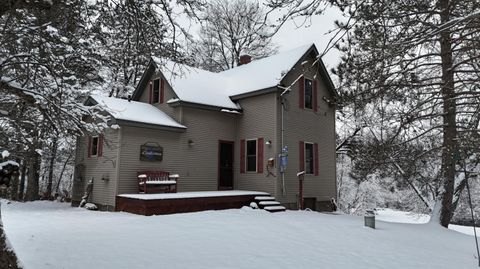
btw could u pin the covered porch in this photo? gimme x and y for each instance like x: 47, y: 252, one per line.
x: 182, y: 202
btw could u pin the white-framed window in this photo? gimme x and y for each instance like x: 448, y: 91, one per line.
x: 251, y: 155
x: 308, y: 94
x: 309, y: 158
x: 156, y: 91
x: 95, y: 143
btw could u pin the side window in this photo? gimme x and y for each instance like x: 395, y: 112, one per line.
x: 309, y: 169
x: 251, y: 146
x: 308, y: 94
x: 156, y: 91
x: 94, y: 146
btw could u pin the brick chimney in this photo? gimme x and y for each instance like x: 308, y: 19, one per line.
x: 244, y: 59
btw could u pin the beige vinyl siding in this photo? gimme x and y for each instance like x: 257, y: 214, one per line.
x: 132, y: 139
x: 308, y: 126
x: 102, y: 169
x: 258, y: 120
x: 197, y: 165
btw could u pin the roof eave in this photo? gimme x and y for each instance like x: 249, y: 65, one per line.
x: 201, y: 106
x: 151, y: 126
x: 140, y: 85
x: 267, y: 90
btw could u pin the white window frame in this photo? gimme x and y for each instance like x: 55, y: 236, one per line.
x: 305, y: 157
x: 91, y: 146
x: 305, y: 95
x: 256, y: 155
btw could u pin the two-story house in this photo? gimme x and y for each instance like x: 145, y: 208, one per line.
x: 220, y: 131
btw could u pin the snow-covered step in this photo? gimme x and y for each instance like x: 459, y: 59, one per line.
x: 269, y: 203
x: 264, y: 198
x: 277, y: 208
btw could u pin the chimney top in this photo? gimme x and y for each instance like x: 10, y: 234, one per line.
x: 244, y: 59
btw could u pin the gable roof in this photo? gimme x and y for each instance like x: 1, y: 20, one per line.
x: 125, y: 111
x: 194, y: 85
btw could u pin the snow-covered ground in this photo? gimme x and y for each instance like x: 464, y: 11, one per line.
x: 55, y: 235
x: 415, y: 218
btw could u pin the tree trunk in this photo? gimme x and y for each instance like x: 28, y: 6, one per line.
x: 21, y: 187
x: 48, y: 193
x: 33, y: 174
x: 443, y: 210
x: 8, y: 259
x: 13, y: 193
x: 62, y: 172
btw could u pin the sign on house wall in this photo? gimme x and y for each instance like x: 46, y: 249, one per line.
x: 151, y: 153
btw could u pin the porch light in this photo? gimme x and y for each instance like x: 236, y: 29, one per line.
x: 191, y: 143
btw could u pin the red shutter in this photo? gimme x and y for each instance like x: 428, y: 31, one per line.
x: 315, y: 109
x: 162, y: 90
x: 89, y: 146
x: 315, y: 150
x: 242, y: 156
x: 301, y: 152
x: 301, y: 92
x: 260, y: 144
x: 100, y: 145
x: 150, y: 92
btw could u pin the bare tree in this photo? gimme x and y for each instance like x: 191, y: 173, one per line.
x: 230, y: 29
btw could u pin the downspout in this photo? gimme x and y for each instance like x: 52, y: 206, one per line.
x: 282, y: 131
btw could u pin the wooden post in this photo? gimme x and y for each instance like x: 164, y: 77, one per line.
x: 300, y: 176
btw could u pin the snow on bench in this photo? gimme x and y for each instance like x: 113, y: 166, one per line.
x: 163, y: 182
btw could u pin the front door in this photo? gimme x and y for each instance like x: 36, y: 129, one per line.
x: 225, y: 165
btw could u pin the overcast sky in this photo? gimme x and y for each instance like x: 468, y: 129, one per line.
x: 292, y: 35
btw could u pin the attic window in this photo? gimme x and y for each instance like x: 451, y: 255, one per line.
x: 308, y: 95
x: 156, y: 91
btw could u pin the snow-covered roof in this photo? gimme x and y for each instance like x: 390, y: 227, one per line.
x: 196, y: 85
x: 263, y: 73
x: 216, y: 89
x: 133, y: 111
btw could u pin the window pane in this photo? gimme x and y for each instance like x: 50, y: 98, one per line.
x: 252, y: 163
x: 94, y: 145
x: 252, y: 155
x: 156, y: 91
x: 251, y: 147
x: 309, y: 158
x: 308, y: 94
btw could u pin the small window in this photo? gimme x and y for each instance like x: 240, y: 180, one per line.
x: 309, y: 158
x: 156, y: 91
x: 308, y: 93
x: 94, y: 146
x: 251, y: 155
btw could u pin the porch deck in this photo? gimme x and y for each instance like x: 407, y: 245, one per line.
x: 182, y: 202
